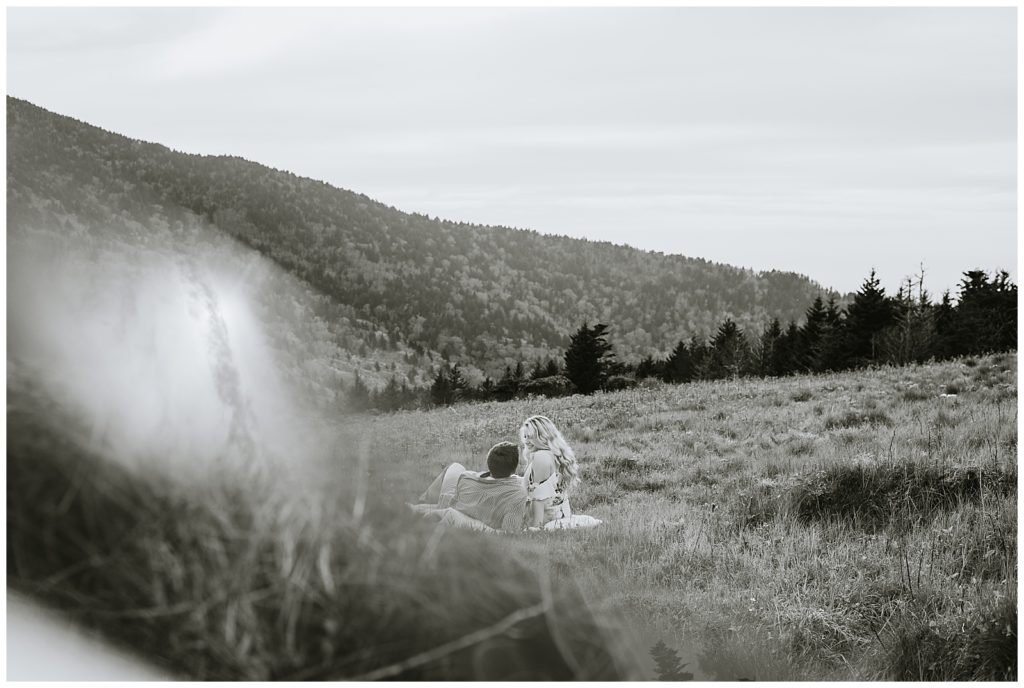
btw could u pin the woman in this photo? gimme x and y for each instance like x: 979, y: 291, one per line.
x: 551, y: 472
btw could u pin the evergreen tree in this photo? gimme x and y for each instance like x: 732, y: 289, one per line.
x: 767, y: 352
x: 944, y: 327
x: 519, y: 374
x: 787, y: 351
x: 699, y: 358
x: 1004, y: 312
x: 669, y: 665
x: 811, y: 335
x: 832, y: 349
x: 486, y: 390
x: 389, y: 398
x: 441, y: 389
x: 730, y: 352
x: 679, y: 366
x: 911, y: 337
x: 552, y: 368
x: 509, y: 384
x: 359, y: 394
x: 588, y: 358
x: 986, y: 315
x: 457, y: 383
x: 869, y: 314
x: 648, y: 367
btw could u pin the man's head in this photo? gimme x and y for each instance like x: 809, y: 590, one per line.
x: 502, y: 459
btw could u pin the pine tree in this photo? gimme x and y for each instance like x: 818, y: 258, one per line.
x: 869, y: 314
x: 669, y: 665
x: 911, y: 337
x: 730, y: 352
x: 811, y: 336
x: 486, y: 390
x: 589, y: 358
x: 679, y: 366
x: 700, y: 356
x: 552, y: 369
x: 519, y: 374
x: 1004, y: 312
x: 441, y: 390
x: 508, y: 385
x: 457, y: 384
x: 647, y: 367
x: 944, y: 327
x: 359, y: 394
x: 787, y: 351
x: 985, y: 317
x: 767, y: 354
x: 833, y: 340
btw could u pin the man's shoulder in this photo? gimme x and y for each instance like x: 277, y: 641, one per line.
x: 488, y: 480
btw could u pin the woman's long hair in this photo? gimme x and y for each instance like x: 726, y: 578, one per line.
x: 537, y: 433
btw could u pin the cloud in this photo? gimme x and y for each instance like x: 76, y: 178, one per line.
x: 614, y: 123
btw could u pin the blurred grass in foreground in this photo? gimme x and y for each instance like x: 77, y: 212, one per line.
x: 243, y: 575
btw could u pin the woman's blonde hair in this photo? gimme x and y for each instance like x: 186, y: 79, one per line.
x: 538, y: 432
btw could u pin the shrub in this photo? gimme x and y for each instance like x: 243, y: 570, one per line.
x: 616, y: 383
x: 874, y: 496
x: 800, y: 446
x: 854, y: 418
x: 915, y: 393
x: 613, y: 467
x: 552, y: 386
x: 801, y: 395
x: 983, y: 649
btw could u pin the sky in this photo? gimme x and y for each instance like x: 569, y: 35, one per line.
x: 824, y: 141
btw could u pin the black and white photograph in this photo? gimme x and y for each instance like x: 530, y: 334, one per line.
x: 520, y: 343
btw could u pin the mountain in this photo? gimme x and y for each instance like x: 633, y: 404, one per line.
x: 487, y: 296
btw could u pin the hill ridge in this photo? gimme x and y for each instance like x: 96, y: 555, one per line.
x: 474, y: 292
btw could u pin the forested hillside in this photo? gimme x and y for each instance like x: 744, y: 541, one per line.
x: 488, y: 296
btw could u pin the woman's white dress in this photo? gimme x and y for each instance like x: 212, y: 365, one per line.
x: 557, y: 511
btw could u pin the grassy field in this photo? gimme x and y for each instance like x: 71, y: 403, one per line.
x: 850, y: 526
x: 858, y: 525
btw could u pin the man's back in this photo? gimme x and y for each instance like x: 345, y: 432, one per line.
x: 498, y: 502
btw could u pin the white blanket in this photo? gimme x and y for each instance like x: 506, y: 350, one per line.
x: 574, y: 521
x: 453, y: 518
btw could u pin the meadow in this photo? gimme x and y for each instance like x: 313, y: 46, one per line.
x: 860, y: 525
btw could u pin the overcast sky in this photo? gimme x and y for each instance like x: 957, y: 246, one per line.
x: 820, y: 140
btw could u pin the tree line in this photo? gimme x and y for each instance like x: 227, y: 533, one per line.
x: 874, y: 329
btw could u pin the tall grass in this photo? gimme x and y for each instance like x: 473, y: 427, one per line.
x: 798, y: 528
x: 233, y: 578
x: 744, y: 525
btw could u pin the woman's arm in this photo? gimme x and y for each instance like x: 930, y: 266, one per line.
x: 543, y: 467
x: 535, y: 514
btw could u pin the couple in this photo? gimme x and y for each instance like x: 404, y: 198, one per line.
x: 500, y: 500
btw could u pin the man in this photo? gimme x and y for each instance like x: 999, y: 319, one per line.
x: 495, y: 500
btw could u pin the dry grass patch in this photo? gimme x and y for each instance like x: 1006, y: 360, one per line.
x: 880, y: 495
x: 854, y: 418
